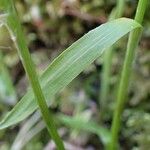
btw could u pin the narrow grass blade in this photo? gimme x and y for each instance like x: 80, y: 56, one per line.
x: 88, y: 126
x: 33, y: 126
x: 70, y: 64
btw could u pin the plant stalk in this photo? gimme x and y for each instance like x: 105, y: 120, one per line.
x: 15, y: 29
x: 106, y: 73
x: 125, y: 75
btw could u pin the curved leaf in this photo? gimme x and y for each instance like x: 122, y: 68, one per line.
x: 69, y: 64
x: 88, y: 126
x: 33, y: 126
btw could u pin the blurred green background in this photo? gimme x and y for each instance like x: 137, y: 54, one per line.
x: 50, y: 27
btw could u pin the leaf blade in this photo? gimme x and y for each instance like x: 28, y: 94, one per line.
x: 69, y: 64
x: 88, y: 126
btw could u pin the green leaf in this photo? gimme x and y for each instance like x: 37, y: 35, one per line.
x: 33, y: 126
x: 70, y: 64
x: 88, y: 126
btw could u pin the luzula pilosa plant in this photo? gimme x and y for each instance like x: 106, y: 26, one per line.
x: 61, y: 71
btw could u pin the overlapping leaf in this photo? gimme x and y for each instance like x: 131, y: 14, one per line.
x: 33, y: 126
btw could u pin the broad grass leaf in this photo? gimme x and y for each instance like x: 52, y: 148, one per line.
x: 70, y: 64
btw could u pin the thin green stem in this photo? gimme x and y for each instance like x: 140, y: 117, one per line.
x: 105, y: 79
x: 14, y: 26
x: 125, y: 76
x: 4, y: 73
x: 120, y: 8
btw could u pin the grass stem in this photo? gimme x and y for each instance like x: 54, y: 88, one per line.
x: 126, y: 72
x: 105, y: 79
x: 15, y: 29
